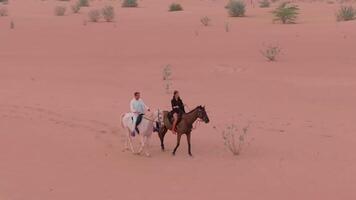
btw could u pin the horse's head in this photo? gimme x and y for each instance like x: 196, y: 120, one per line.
x: 202, y: 114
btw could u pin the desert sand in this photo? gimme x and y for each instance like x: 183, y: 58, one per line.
x: 64, y: 83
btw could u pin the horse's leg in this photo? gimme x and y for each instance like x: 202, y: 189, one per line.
x: 188, y: 140
x: 147, y: 146
x: 162, y: 132
x: 129, y: 139
x: 178, y: 142
x: 143, y: 142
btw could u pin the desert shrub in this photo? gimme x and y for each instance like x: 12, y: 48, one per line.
x: 167, y: 72
x: 59, y: 10
x: 227, y: 27
x: 234, y: 138
x: 175, y: 7
x: 346, y: 13
x: 83, y: 3
x: 3, y: 11
x: 271, y: 52
x: 108, y: 13
x: 205, y: 21
x: 76, y: 7
x: 94, y: 15
x: 264, y: 4
x: 129, y: 3
x: 286, y: 12
x: 236, y: 8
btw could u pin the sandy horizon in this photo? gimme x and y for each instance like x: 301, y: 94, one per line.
x: 66, y: 81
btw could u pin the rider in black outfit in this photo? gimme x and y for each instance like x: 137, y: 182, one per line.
x: 177, y: 109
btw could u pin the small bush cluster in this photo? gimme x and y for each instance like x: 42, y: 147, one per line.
x: 286, y: 12
x: 346, y: 13
x: 129, y: 3
x: 175, y: 7
x: 236, y: 8
x: 59, y: 10
x: 108, y: 13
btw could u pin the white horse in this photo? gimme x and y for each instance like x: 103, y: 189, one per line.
x: 146, y: 128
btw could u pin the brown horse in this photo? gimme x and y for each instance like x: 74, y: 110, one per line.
x: 185, y: 126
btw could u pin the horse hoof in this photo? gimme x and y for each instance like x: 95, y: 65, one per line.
x: 173, y: 153
x: 148, y: 155
x: 191, y: 155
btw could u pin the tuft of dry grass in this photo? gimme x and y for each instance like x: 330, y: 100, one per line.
x: 271, y: 52
x: 234, y: 138
x: 108, y: 13
x: 205, y: 20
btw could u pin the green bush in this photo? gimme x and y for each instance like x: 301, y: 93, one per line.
x: 175, y: 7
x: 129, y: 3
x: 346, y: 13
x: 286, y: 13
x: 108, y: 13
x: 236, y: 8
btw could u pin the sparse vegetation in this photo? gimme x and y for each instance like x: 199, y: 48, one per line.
x: 264, y: 3
x: 59, y: 10
x: 175, y: 7
x: 234, y: 138
x: 236, y: 8
x: 108, y: 13
x: 346, y: 13
x: 167, y: 72
x: 166, y: 76
x: 129, y: 3
x: 205, y: 21
x: 286, y: 12
x: 3, y: 11
x: 227, y: 27
x: 94, y: 15
x: 271, y: 52
x: 12, y: 25
x: 83, y: 3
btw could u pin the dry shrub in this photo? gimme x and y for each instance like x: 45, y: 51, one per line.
x: 59, y: 10
x: 175, y: 7
x: 108, y: 13
x: 3, y: 12
x: 234, y: 138
x: 94, y: 15
x: 76, y: 7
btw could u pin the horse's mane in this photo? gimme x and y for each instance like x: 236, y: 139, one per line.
x: 194, y: 109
